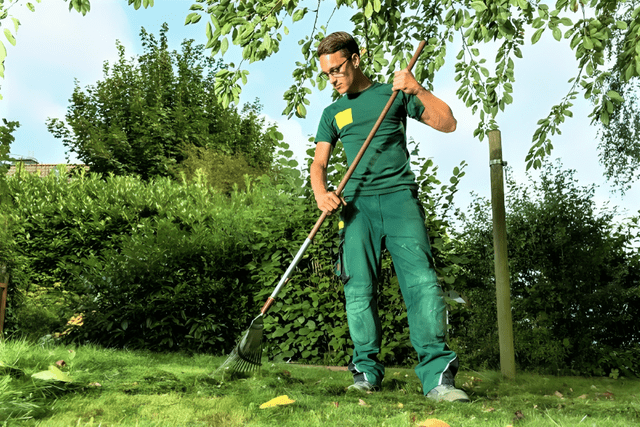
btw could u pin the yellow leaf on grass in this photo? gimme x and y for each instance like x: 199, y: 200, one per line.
x: 280, y: 400
x: 433, y: 422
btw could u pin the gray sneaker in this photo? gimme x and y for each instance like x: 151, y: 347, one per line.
x: 362, y: 387
x: 448, y: 393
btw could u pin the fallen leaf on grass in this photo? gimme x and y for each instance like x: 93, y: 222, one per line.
x: 54, y: 374
x: 278, y: 401
x: 582, y: 396
x: 558, y: 394
x: 489, y: 409
x: 336, y: 403
x: 95, y: 385
x: 363, y: 403
x: 518, y: 416
x: 61, y: 363
x: 433, y: 422
x: 400, y: 405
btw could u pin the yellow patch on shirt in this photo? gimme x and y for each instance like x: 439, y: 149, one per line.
x: 343, y: 118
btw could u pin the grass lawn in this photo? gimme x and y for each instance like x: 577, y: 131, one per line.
x: 129, y: 388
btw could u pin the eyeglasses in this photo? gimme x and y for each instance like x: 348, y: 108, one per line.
x: 334, y: 72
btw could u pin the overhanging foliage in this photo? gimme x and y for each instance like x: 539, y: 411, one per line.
x: 478, y: 30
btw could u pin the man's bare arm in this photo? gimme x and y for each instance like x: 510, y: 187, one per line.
x: 327, y: 200
x: 437, y: 113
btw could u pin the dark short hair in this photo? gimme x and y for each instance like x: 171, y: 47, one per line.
x: 338, y: 42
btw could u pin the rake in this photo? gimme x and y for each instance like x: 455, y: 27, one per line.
x: 247, y: 354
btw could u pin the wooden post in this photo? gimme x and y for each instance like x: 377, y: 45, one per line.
x: 503, y: 291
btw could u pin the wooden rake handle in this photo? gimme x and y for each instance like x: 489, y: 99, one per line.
x: 343, y: 183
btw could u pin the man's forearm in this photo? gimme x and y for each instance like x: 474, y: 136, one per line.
x: 437, y: 113
x: 318, y: 176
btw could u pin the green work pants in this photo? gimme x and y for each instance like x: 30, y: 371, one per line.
x: 395, y: 221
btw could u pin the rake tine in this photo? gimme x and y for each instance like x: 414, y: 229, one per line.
x: 247, y: 354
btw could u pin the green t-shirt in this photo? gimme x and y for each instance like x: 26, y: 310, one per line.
x: 385, y: 166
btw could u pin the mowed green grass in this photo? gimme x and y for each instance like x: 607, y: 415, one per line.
x: 130, y: 388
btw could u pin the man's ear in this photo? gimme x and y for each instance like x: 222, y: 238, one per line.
x: 356, y: 63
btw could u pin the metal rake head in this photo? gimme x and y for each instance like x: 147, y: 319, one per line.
x: 247, y: 354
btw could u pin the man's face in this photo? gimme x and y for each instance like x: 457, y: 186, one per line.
x: 339, y: 70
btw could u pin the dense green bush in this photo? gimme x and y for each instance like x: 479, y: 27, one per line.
x: 168, y: 265
x: 223, y: 172
x: 119, y: 247
x: 575, y: 278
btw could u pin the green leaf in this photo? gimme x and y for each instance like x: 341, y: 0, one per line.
x: 537, y: 35
x: 575, y: 40
x: 587, y: 43
x: 31, y: 7
x: 557, y: 33
x: 615, y: 96
x: 3, y: 52
x: 478, y: 6
x: 310, y: 324
x: 628, y: 74
x: 9, y: 36
x: 566, y: 21
x: 508, y: 99
x: 209, y: 31
x: 192, y: 18
x: 368, y: 10
x: 53, y: 374
x: 299, y: 14
x: 621, y: 25
x: 224, y: 45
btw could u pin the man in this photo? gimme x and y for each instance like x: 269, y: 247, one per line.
x: 381, y: 210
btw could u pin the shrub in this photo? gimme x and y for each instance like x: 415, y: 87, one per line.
x: 223, y: 172
x: 167, y: 265
x: 574, y: 280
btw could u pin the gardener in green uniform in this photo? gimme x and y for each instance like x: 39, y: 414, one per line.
x: 381, y: 210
